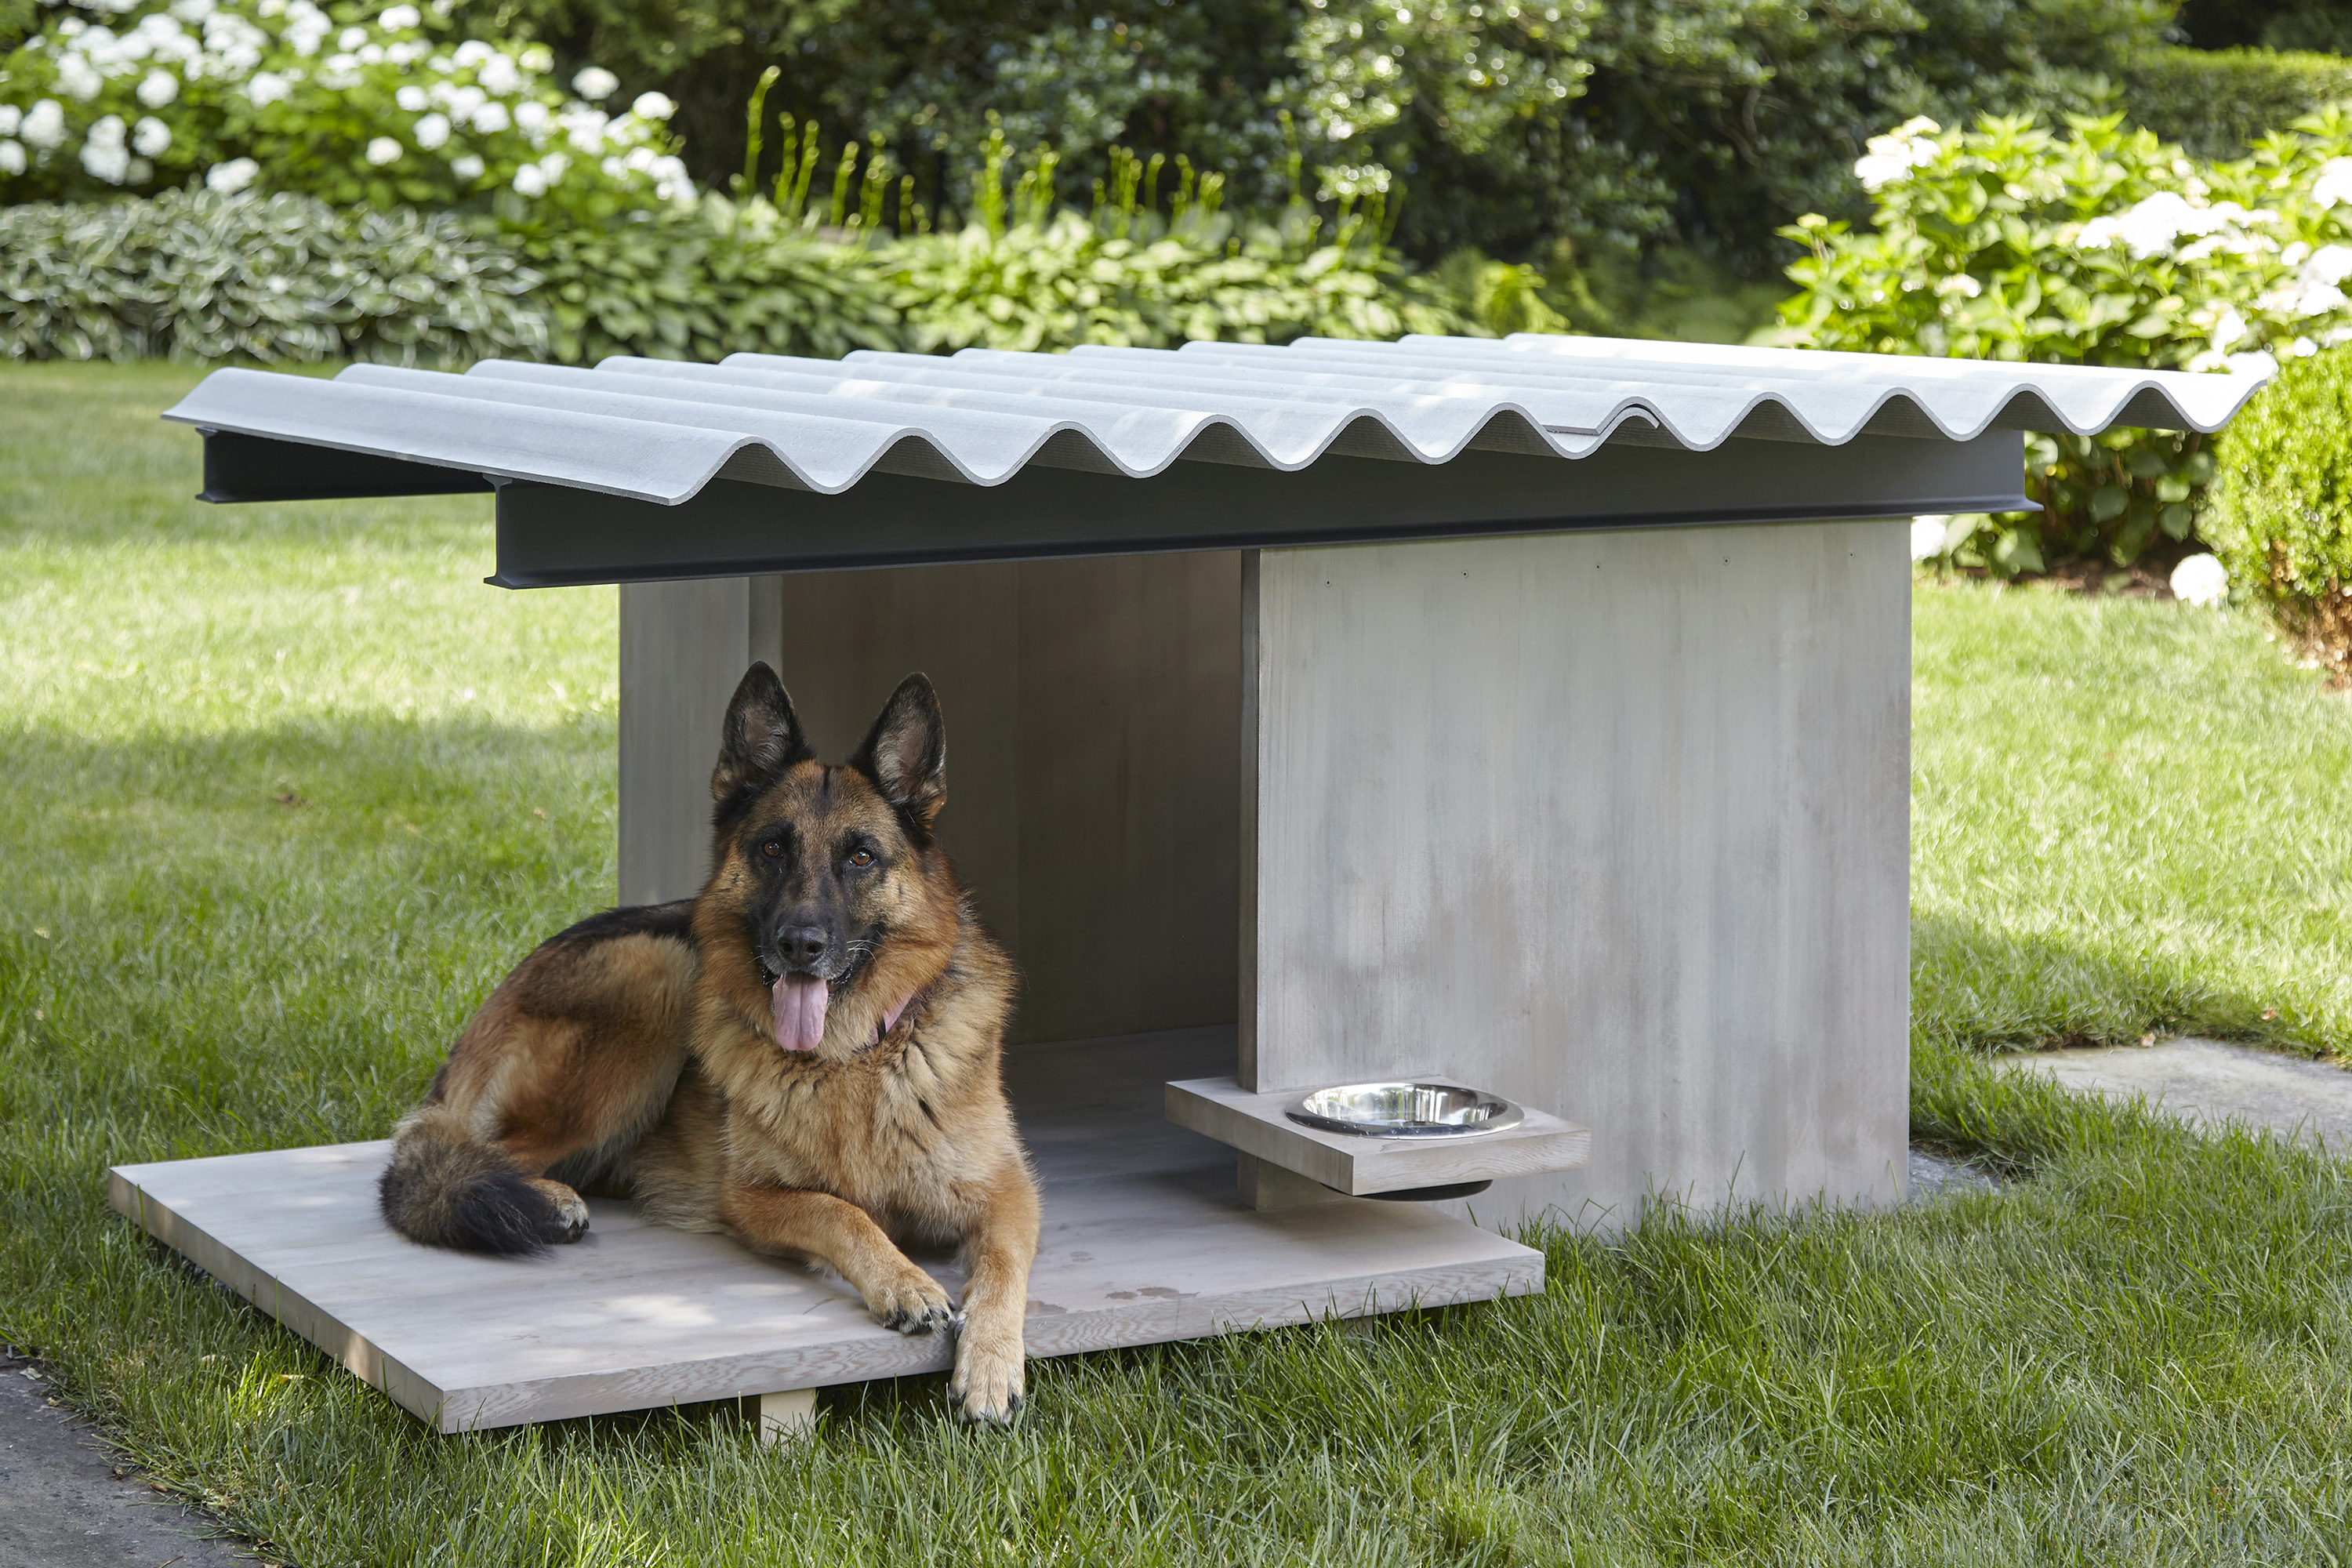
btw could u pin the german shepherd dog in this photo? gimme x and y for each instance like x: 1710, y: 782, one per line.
x: 804, y: 1057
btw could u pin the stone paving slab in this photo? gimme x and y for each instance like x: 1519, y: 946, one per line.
x: 63, y: 1506
x: 1931, y: 1176
x: 2207, y: 1083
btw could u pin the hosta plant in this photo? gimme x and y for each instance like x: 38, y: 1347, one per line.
x: 200, y: 275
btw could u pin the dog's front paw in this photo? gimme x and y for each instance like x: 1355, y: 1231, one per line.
x: 989, y: 1374
x: 570, y: 1222
x: 912, y: 1303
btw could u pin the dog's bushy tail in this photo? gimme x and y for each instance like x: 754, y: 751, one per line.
x: 446, y: 1188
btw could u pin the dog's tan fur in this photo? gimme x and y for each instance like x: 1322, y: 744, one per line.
x: 638, y: 1052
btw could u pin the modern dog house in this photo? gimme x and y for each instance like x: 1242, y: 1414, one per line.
x: 1527, y: 716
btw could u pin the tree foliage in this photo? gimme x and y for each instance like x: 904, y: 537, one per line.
x: 1613, y: 123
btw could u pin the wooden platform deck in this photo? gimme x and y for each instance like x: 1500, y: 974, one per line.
x: 1143, y: 1242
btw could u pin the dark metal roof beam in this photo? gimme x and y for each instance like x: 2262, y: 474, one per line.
x: 553, y: 535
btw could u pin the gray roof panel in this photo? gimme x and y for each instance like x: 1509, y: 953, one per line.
x: 660, y: 431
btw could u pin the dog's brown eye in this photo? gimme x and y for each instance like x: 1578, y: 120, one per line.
x: 773, y: 848
x: 861, y: 856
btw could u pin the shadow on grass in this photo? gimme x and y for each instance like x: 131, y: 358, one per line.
x: 1981, y: 986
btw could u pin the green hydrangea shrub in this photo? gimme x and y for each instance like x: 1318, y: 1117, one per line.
x: 2104, y: 246
x: 2281, y: 517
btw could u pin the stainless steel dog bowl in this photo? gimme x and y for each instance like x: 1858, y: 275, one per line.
x: 1404, y: 1110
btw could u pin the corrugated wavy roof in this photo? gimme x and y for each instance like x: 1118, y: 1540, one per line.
x: 659, y: 430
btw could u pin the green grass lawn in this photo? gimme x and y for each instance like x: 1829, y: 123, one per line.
x: 286, y: 789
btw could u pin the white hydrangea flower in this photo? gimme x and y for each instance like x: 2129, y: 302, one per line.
x: 1927, y: 536
x: 596, y: 84
x: 532, y: 119
x: 78, y: 78
x: 266, y: 88
x: 536, y: 59
x: 351, y: 38
x: 163, y: 38
x: 157, y: 88
x: 11, y: 117
x: 412, y: 99
x: 306, y: 32
x: 491, y: 119
x: 500, y: 76
x: 2329, y: 264
x: 1890, y: 157
x: 400, y: 18
x: 2260, y: 361
x: 553, y: 167
x: 407, y: 52
x: 12, y: 157
x: 467, y: 167
x: 371, y: 54
x: 231, y: 177
x: 2201, y: 580
x: 432, y: 131
x: 671, y: 181
x: 2228, y: 328
x: 530, y: 182
x: 192, y: 11
x: 583, y: 126
x: 382, y: 149
x: 2154, y: 223
x: 652, y: 106
x: 44, y: 127
x: 2334, y: 184
x: 150, y: 138
x: 471, y: 53
x: 104, y: 154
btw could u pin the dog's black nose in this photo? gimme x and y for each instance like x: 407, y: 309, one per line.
x: 802, y: 946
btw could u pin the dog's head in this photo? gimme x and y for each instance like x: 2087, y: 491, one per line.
x: 831, y: 875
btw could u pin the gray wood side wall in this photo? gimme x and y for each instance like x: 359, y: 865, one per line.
x: 684, y: 646
x: 1616, y: 824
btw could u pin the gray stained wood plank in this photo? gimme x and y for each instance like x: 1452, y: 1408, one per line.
x: 1615, y: 823
x: 1143, y: 1241
x: 1257, y: 1124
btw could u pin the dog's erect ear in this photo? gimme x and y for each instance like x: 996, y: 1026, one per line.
x: 905, y: 753
x: 759, y: 740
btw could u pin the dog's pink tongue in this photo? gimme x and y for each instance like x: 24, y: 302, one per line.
x: 800, y: 1012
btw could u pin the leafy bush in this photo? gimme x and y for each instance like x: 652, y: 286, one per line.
x: 2321, y: 25
x: 2103, y: 246
x: 1023, y: 276
x: 2217, y: 104
x: 206, y: 276
x: 384, y: 106
x: 2281, y: 519
x: 1614, y: 123
x: 705, y: 280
